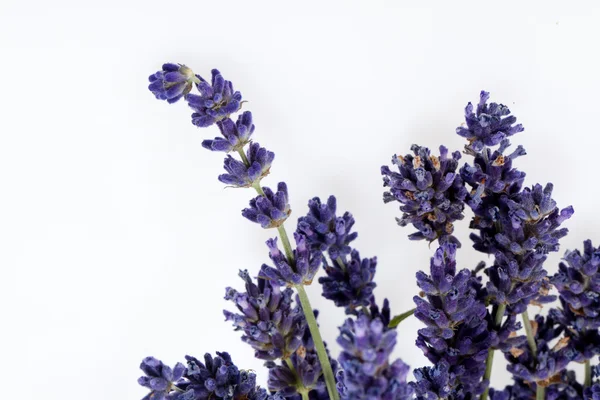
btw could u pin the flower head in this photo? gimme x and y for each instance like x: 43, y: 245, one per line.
x: 547, y: 364
x: 492, y: 173
x: 528, y: 221
x: 161, y: 380
x: 271, y: 323
x: 235, y: 136
x: 456, y: 335
x: 430, y: 190
x: 271, y: 209
x: 578, y: 282
x: 367, y: 345
x: 299, y: 271
x: 488, y: 125
x: 219, y: 378
x: 325, y: 231
x: 241, y: 174
x: 564, y: 387
x: 349, y: 283
x: 301, y: 372
x: 216, y: 101
x: 172, y: 83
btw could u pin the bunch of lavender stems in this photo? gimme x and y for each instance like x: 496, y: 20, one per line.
x: 466, y: 321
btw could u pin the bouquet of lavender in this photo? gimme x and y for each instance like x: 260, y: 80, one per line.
x: 468, y: 314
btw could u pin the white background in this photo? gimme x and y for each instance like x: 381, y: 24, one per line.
x: 117, y: 240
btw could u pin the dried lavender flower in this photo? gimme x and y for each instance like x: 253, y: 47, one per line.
x: 488, y: 125
x: 578, y: 283
x: 271, y: 209
x: 216, y: 101
x: 300, y: 271
x: 162, y: 379
x: 173, y: 82
x: 242, y: 174
x: 349, y: 283
x: 326, y: 232
x: 456, y: 333
x: 368, y: 373
x: 235, y: 136
x: 430, y: 190
x: 271, y: 323
x: 219, y: 378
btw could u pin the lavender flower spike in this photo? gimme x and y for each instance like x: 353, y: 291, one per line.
x: 351, y: 284
x: 488, y: 125
x: 368, y: 374
x: 173, y: 82
x: 300, y: 271
x: 235, y: 136
x: 578, y: 282
x: 219, y: 378
x: 456, y: 338
x: 430, y: 191
x: 272, y: 325
x: 240, y: 174
x: 326, y: 232
x: 216, y: 101
x: 270, y: 210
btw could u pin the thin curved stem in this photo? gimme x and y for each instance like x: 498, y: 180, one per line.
x: 588, y: 374
x: 540, y: 391
x: 529, y: 332
x: 319, y: 345
x: 286, y: 243
x: 489, y: 362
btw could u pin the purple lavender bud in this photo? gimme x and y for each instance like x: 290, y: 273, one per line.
x: 351, y: 284
x: 219, y: 378
x: 430, y: 190
x: 324, y: 231
x: 300, y: 271
x: 216, y: 101
x: 235, y: 136
x: 578, y: 283
x: 368, y: 374
x: 488, y: 125
x: 271, y: 323
x: 172, y: 83
x: 241, y: 175
x: 270, y: 210
x: 163, y: 381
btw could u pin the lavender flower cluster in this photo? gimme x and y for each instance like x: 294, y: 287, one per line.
x: 468, y: 314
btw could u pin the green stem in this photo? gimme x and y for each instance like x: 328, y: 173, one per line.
x: 319, y: 346
x: 540, y: 391
x: 243, y: 157
x: 286, y: 243
x: 489, y: 362
x: 299, y: 385
x: 529, y: 332
x: 588, y: 374
x: 304, y: 395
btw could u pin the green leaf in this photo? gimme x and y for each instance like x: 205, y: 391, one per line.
x: 399, y: 318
